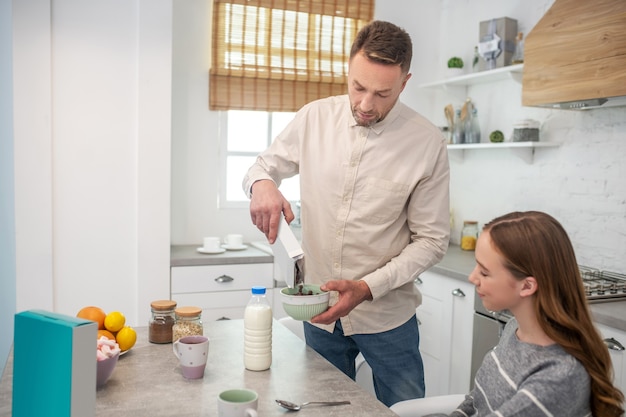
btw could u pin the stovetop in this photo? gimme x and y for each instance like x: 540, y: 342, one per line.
x: 602, y: 286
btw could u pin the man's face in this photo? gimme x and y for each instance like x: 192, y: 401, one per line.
x: 373, y: 89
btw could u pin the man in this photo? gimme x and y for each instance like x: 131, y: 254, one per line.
x: 374, y: 185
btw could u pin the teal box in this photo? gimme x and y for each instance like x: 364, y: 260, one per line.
x: 54, y: 365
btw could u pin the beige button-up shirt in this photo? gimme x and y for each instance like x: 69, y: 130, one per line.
x: 374, y: 203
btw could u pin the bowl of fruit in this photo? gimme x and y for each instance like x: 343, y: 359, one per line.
x: 114, y: 338
x: 111, y: 325
x: 304, y: 301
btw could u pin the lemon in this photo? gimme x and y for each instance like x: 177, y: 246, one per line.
x: 126, y: 338
x: 114, y: 321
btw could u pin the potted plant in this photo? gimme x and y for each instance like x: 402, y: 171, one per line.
x: 455, y: 66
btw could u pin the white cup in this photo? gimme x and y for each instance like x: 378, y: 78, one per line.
x: 212, y: 243
x: 234, y: 240
x: 237, y: 403
x: 192, y: 352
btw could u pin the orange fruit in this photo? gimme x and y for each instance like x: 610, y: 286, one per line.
x: 114, y: 321
x: 126, y: 338
x: 106, y: 334
x: 94, y: 314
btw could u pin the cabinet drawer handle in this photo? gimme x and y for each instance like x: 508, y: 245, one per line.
x: 224, y: 278
x: 613, y: 344
x: 418, y: 281
x: 458, y: 293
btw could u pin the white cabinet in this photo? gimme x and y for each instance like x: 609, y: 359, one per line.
x: 616, y: 341
x: 222, y: 291
x: 446, y: 326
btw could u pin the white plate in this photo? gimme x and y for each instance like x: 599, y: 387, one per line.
x: 229, y: 247
x: 211, y: 252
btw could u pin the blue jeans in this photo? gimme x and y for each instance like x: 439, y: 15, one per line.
x: 393, y: 355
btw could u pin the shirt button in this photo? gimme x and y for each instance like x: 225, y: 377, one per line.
x: 336, y: 266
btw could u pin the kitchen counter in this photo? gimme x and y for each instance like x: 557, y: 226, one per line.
x: 147, y: 380
x: 187, y: 255
x: 456, y: 263
x: 459, y: 264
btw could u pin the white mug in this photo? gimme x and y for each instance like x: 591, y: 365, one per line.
x: 192, y: 352
x: 212, y: 243
x: 234, y: 240
x: 237, y: 403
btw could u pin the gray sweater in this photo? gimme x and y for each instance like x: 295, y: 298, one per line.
x: 522, y: 379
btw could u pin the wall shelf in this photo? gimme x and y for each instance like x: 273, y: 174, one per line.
x: 511, y: 72
x: 525, y: 150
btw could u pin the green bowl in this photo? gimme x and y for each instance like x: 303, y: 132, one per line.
x: 304, y: 307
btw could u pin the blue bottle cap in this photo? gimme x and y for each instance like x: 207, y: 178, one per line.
x: 257, y: 290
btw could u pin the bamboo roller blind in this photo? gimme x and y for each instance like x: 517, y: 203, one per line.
x: 277, y: 55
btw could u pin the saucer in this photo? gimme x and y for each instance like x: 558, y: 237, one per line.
x: 214, y: 251
x: 230, y: 247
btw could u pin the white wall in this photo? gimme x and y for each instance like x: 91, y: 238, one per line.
x: 195, y: 139
x: 92, y: 105
x: 582, y: 182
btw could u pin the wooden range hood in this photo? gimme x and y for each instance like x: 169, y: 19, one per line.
x: 575, y: 57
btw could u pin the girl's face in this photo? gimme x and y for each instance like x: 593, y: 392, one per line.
x: 495, y: 285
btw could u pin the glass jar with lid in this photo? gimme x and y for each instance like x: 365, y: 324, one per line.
x: 188, y: 322
x: 161, y: 321
x: 469, y: 235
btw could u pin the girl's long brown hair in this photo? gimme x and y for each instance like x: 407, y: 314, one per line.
x: 535, y: 244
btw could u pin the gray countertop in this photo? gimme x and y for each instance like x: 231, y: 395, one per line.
x: 187, y: 255
x: 147, y: 381
x: 457, y: 264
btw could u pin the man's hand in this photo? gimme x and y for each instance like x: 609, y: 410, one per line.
x: 351, y: 294
x: 266, y: 208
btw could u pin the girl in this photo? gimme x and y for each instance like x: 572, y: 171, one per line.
x: 550, y: 360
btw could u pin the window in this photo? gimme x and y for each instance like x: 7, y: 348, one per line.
x: 245, y: 134
x: 277, y: 55
x: 268, y: 59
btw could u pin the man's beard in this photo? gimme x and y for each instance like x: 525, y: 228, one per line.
x: 365, y: 123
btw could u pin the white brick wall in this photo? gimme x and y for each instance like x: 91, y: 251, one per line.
x: 582, y: 183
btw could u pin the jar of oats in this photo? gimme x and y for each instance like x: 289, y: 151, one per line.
x: 188, y: 322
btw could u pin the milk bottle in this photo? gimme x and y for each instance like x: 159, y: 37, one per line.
x: 257, y: 322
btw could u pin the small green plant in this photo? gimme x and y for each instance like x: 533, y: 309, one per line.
x: 496, y: 136
x: 455, y: 62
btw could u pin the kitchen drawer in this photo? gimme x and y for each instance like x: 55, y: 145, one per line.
x: 210, y: 278
x: 218, y: 305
